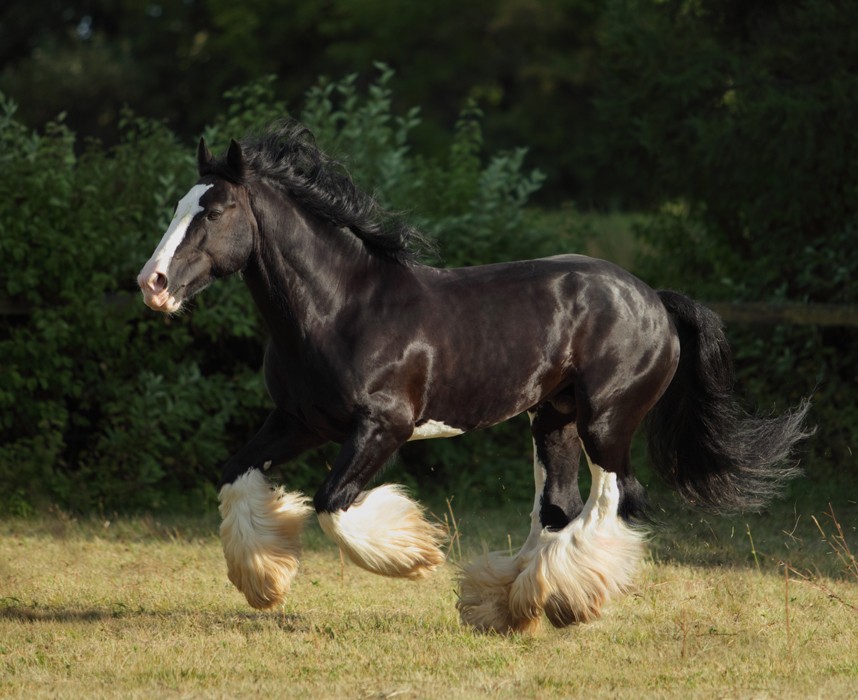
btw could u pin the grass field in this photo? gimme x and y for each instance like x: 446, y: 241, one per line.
x: 140, y: 608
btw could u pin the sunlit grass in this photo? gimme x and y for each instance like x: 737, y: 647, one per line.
x: 141, y: 608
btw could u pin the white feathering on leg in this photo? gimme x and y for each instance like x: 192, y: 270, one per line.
x: 261, y: 537
x: 484, y: 587
x: 569, y: 575
x: 574, y: 572
x: 385, y: 532
x: 485, y: 583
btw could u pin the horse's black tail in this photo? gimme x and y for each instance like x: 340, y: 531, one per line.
x: 704, y: 445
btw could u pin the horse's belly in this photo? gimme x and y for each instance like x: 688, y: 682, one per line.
x: 488, y: 394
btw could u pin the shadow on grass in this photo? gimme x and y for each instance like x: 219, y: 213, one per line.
x: 25, y: 613
x: 248, y: 622
x: 16, y: 611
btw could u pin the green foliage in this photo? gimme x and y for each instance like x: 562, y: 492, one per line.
x: 742, y: 119
x: 103, y: 404
x: 107, y: 405
x: 744, y: 116
x: 475, y: 210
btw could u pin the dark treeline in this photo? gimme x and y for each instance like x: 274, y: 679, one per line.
x: 595, y: 88
x: 531, y: 64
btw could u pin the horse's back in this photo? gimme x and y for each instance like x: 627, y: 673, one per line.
x: 581, y: 277
x: 580, y: 295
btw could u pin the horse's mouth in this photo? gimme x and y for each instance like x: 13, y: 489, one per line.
x: 163, y: 301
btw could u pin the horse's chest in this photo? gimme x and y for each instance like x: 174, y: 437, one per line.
x: 316, y: 398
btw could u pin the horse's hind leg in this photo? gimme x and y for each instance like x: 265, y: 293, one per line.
x: 556, y: 455
x: 485, y: 584
x: 572, y: 573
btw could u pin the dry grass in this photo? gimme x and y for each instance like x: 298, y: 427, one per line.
x: 136, y: 609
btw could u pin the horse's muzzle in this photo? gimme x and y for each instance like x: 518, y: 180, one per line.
x: 153, y: 284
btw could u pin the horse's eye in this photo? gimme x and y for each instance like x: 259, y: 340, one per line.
x: 214, y: 214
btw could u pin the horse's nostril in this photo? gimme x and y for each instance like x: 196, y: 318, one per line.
x: 154, y: 283
x: 158, y: 282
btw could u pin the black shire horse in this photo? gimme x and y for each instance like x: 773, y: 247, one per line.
x: 370, y: 349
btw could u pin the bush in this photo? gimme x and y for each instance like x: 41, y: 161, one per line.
x: 474, y: 210
x: 100, y: 401
x: 106, y: 405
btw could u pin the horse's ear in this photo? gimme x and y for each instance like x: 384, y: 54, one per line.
x: 204, y: 158
x: 235, y: 158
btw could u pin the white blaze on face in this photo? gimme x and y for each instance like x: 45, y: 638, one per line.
x: 153, y: 276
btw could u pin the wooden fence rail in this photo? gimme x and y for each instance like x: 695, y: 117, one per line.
x: 791, y: 314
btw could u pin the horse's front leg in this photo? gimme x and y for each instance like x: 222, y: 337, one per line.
x: 381, y: 530
x: 261, y: 526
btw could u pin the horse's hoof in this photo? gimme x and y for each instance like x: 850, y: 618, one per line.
x: 261, y: 537
x: 386, y: 533
x: 484, y: 590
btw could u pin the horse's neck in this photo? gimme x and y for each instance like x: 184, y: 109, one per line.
x: 305, y: 271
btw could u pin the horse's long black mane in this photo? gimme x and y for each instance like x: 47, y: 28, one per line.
x: 287, y: 156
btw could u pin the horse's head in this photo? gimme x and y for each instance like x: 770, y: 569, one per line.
x: 211, y: 236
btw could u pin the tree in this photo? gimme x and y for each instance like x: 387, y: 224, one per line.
x: 529, y: 63
x: 737, y: 121
x: 740, y: 112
